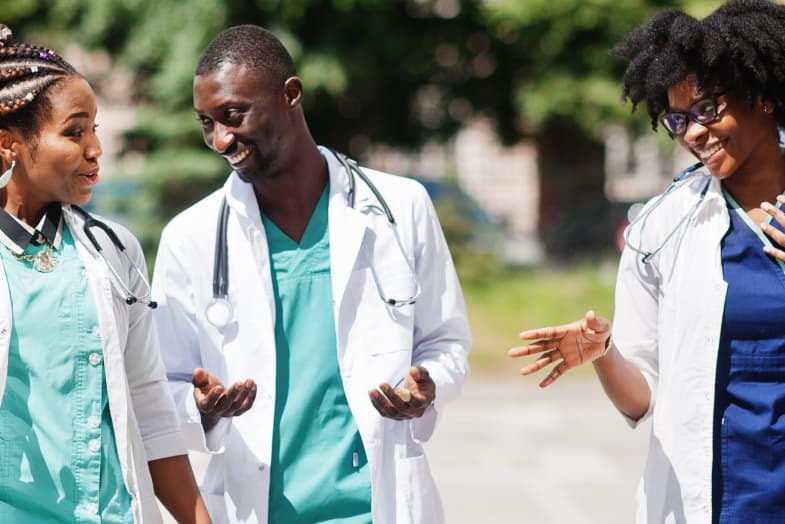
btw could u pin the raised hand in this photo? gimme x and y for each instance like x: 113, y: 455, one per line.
x: 567, y: 346
x: 772, y: 232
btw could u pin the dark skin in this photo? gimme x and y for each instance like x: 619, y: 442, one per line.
x: 61, y: 165
x: 259, y: 128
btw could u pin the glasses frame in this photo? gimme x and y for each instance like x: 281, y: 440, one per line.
x: 689, y: 115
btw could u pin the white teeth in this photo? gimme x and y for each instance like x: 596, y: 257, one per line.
x: 706, y: 153
x: 239, y: 157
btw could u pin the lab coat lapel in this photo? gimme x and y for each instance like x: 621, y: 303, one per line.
x: 347, y: 230
x: 242, y: 200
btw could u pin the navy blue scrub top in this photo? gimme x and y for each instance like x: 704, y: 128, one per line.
x: 749, y: 422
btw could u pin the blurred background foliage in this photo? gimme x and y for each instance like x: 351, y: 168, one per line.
x: 394, y: 72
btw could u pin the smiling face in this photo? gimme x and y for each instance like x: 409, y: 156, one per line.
x: 245, y: 120
x: 733, y: 142
x: 60, y: 163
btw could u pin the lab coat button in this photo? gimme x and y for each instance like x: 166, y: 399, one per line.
x: 94, y: 359
x: 261, y: 467
x: 3, y: 331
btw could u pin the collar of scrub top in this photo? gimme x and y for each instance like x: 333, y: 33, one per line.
x: 16, y: 235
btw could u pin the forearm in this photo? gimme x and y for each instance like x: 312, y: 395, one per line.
x: 176, y: 488
x: 624, y: 384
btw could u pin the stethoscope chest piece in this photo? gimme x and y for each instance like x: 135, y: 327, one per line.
x: 218, y: 312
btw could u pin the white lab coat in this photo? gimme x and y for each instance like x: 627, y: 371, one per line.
x: 668, y: 321
x: 143, y: 416
x: 375, y: 343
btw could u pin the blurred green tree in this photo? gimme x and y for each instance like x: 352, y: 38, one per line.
x: 375, y: 71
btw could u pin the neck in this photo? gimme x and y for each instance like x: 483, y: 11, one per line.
x: 28, y: 214
x: 752, y: 186
x: 290, y: 199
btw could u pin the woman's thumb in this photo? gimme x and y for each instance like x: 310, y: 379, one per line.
x: 597, y: 324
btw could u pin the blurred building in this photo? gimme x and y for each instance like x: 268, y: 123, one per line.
x: 504, y: 181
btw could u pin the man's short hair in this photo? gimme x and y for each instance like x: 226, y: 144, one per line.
x: 251, y: 46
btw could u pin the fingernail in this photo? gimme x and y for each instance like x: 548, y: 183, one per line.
x: 766, y: 206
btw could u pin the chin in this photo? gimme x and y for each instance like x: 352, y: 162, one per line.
x: 80, y: 199
x: 256, y: 172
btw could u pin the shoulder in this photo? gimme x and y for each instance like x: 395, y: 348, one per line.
x: 397, y: 187
x: 681, y: 197
x: 688, y: 209
x: 102, y: 228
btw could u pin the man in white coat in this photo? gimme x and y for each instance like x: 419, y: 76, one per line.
x: 313, y: 336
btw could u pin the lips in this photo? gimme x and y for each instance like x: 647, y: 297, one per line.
x: 240, y: 155
x: 91, y: 176
x: 707, y: 152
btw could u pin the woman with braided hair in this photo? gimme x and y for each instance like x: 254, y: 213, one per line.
x: 698, y: 334
x: 88, y: 431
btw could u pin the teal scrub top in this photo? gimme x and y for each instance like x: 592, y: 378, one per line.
x: 319, y: 471
x: 58, y: 460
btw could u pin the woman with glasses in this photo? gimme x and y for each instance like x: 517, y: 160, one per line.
x: 699, y: 329
x: 88, y: 431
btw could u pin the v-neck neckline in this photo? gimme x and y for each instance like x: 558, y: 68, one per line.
x: 310, y: 236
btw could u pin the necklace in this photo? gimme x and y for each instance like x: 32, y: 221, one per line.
x: 45, y: 261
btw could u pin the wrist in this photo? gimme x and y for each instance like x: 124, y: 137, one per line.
x: 608, y: 346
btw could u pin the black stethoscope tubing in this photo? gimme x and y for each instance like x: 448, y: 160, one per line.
x: 353, y: 170
x: 89, y: 222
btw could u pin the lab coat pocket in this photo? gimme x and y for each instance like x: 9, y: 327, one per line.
x: 419, y: 501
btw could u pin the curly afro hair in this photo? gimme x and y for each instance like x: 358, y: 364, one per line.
x: 740, y: 46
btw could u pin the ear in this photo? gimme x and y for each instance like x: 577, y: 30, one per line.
x: 8, y: 141
x: 766, y: 106
x: 293, y: 91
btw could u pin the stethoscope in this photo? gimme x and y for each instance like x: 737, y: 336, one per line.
x: 643, y: 216
x: 130, y: 297
x: 219, y: 310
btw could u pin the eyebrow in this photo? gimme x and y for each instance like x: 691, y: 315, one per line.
x: 74, y: 116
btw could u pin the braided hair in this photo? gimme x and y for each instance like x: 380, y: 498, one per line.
x: 252, y: 46
x: 740, y: 46
x: 27, y: 72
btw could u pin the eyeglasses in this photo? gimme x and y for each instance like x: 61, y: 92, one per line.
x: 703, y: 112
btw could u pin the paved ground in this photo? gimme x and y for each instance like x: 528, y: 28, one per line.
x: 508, y: 452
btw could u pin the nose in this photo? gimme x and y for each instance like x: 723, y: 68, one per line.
x: 93, y: 149
x: 694, y: 132
x: 221, y: 138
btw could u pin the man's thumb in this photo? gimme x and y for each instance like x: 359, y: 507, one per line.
x: 199, y: 378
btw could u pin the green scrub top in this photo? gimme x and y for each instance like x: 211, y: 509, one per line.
x: 58, y: 459
x: 319, y: 471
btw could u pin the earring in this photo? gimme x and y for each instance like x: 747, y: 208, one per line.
x: 6, y: 176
